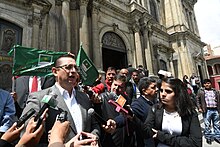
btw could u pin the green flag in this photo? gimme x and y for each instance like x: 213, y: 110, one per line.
x: 87, y: 69
x: 32, y: 61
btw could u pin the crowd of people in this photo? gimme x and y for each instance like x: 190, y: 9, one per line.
x: 131, y: 109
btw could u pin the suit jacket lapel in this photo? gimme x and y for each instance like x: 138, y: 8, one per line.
x: 62, y: 105
x: 26, y: 82
x: 82, y: 109
x: 159, y: 118
x: 42, y: 80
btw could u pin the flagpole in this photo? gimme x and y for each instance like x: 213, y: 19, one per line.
x: 13, y: 77
x: 13, y: 84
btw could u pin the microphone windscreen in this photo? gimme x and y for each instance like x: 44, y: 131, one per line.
x: 91, y: 111
x: 50, y: 100
x: 113, y: 96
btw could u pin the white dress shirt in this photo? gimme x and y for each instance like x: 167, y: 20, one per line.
x: 73, y: 107
x: 172, y: 124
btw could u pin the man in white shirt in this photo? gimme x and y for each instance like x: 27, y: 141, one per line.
x: 69, y: 99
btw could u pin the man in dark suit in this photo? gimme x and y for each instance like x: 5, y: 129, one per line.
x: 69, y: 99
x: 23, y: 87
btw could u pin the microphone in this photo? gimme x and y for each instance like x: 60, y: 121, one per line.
x: 49, y: 101
x: 113, y: 96
x: 92, y: 112
x: 25, y: 117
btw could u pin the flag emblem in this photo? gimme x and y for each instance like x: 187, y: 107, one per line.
x: 86, y: 65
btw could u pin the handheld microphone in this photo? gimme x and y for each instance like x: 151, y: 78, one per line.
x: 25, y: 117
x: 49, y: 101
x: 92, y: 112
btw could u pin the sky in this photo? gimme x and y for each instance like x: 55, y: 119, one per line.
x: 208, y: 20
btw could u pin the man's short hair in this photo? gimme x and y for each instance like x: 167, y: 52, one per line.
x: 65, y: 55
x: 206, y: 81
x: 121, y: 78
x: 110, y: 68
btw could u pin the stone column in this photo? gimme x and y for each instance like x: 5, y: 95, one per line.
x: 171, y: 65
x: 144, y: 3
x: 57, y: 31
x: 95, y: 38
x: 83, y: 30
x: 35, y: 22
x: 65, y: 26
x: 148, y: 51
x: 138, y: 48
x: 74, y: 21
x: 131, y: 52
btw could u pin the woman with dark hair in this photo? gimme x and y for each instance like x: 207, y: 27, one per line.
x: 174, y: 121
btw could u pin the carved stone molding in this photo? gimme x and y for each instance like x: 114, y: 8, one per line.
x: 34, y: 20
x: 95, y: 8
x: 115, y: 26
x: 83, y: 2
x: 45, y: 4
x: 9, y: 38
x: 58, y: 2
x: 74, y: 5
x: 136, y: 27
x: 113, y: 40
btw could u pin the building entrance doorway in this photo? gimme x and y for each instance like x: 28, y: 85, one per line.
x: 113, y: 58
x: 113, y: 51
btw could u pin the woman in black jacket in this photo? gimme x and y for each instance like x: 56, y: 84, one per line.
x: 173, y: 122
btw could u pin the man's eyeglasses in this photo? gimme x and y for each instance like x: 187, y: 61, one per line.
x: 68, y: 67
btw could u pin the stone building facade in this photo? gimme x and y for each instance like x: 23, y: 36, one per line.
x: 158, y: 34
x: 213, y: 65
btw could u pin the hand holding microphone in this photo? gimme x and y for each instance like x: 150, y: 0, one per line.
x: 49, y: 101
x: 32, y: 135
x: 92, y: 112
x: 109, y: 126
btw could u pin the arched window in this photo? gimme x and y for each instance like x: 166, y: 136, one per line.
x: 153, y: 9
x: 210, y: 70
x: 217, y: 68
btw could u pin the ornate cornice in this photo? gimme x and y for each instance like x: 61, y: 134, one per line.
x: 134, y: 6
x: 114, y: 8
x: 164, y: 48
x: 45, y: 4
x: 95, y: 8
x: 189, y: 3
x: 186, y: 35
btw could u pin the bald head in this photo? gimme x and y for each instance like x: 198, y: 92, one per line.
x: 124, y: 72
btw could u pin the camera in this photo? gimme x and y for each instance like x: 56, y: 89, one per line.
x: 62, y: 116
